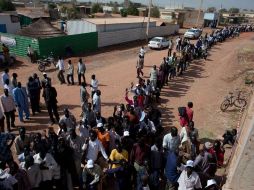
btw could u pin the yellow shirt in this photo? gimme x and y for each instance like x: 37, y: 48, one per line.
x: 116, y: 156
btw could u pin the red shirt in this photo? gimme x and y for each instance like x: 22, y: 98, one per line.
x: 189, y: 112
x: 183, y: 121
x: 138, y: 154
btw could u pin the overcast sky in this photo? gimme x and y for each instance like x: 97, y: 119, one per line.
x: 248, y: 4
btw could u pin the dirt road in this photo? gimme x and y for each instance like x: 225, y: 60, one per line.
x: 205, y: 84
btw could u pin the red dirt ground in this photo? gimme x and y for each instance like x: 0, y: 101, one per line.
x: 205, y: 83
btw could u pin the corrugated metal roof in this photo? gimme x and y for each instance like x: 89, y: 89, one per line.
x: 99, y: 21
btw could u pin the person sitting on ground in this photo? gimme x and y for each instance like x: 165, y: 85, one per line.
x: 229, y: 137
x: 219, y: 150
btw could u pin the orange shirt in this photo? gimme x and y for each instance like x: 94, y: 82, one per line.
x: 104, y: 138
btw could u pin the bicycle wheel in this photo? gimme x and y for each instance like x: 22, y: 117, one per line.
x: 240, y: 103
x: 41, y: 67
x: 224, y: 105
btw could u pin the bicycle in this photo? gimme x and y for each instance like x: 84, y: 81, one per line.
x: 232, y: 100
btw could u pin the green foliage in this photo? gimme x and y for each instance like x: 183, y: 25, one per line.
x: 223, y: 10
x: 6, y: 5
x: 155, y: 12
x: 97, y: 8
x: 132, y: 10
x: 234, y: 10
x: 123, y: 12
x: 211, y: 9
x: 115, y: 9
x: 52, y: 5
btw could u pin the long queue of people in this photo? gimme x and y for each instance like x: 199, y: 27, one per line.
x: 124, y: 151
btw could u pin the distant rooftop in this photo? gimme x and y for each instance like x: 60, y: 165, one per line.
x: 32, y: 12
x: 127, y: 20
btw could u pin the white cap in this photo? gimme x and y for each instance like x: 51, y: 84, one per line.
x: 89, y: 164
x: 189, y: 163
x: 44, y: 73
x: 208, y: 145
x: 210, y: 182
x: 99, y: 125
x: 126, y: 133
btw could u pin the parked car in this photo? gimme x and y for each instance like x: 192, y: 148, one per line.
x: 158, y: 43
x: 193, y: 33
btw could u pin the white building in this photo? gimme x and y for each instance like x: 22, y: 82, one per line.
x: 107, y: 24
x: 9, y: 22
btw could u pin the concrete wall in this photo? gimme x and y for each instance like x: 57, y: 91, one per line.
x: 190, y: 19
x: 11, y: 27
x: 118, y: 37
x: 240, y: 174
x: 78, y: 27
x: 116, y: 27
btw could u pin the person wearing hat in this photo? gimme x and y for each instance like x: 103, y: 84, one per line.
x: 212, y: 185
x: 50, y: 95
x: 45, y: 80
x: 127, y: 141
x: 103, y: 136
x: 189, y: 179
x: 91, y: 175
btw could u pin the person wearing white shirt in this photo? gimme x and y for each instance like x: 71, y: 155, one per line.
x: 93, y: 146
x: 60, y: 66
x: 81, y: 71
x: 9, y: 109
x: 84, y: 129
x: 142, y: 52
x: 97, y: 101
x: 5, y: 76
x: 171, y: 141
x: 94, y: 85
x: 47, y: 164
x: 8, y: 86
x: 189, y: 180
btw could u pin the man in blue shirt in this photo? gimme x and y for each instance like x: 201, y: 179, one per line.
x: 171, y: 172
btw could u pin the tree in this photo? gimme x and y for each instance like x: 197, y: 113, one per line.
x: 97, y: 8
x: 6, y: 5
x: 52, y: 5
x: 115, y: 9
x: 123, y: 12
x: 132, y: 10
x: 211, y: 9
x: 234, y: 10
x: 155, y: 12
x: 223, y: 10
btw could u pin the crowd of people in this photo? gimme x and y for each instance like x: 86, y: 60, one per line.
x: 128, y: 150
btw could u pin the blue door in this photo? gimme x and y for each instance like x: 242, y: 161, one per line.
x: 3, y: 28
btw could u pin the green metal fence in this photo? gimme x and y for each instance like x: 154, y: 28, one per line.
x: 20, y: 48
x: 79, y: 43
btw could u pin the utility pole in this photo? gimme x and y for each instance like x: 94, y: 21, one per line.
x: 148, y: 22
x: 199, y: 11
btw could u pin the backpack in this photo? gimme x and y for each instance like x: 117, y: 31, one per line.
x: 182, y: 111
